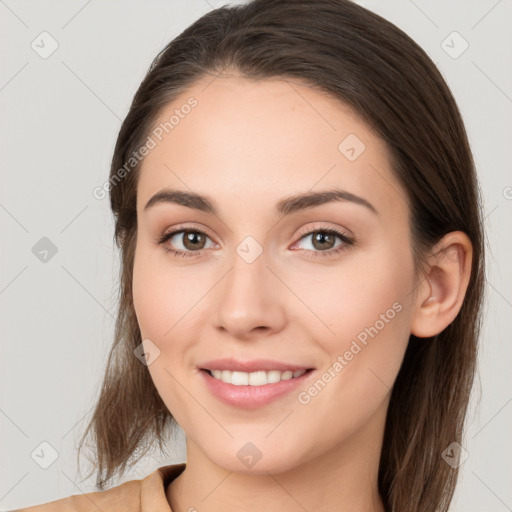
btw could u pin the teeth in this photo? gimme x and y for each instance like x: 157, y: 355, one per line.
x: 259, y: 378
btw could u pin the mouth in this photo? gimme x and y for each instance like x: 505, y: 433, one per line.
x: 252, y: 383
x: 257, y: 378
x: 251, y: 390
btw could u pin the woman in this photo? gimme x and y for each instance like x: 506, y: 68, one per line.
x: 302, y: 270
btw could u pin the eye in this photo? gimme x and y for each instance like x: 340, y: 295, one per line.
x: 193, y: 241
x: 323, y: 240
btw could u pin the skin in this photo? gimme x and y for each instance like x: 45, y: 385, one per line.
x: 247, y: 145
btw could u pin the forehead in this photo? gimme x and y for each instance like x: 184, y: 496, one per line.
x: 247, y: 139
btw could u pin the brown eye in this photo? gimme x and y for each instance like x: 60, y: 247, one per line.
x: 185, y: 242
x: 191, y: 240
x: 323, y: 240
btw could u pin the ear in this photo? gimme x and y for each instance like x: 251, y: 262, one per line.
x: 443, y: 285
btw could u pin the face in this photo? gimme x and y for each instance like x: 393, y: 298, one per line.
x: 264, y: 282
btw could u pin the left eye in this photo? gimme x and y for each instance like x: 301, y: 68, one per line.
x: 323, y: 239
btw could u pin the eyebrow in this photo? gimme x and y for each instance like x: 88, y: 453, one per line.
x: 284, y: 207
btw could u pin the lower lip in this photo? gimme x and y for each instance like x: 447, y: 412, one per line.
x: 251, y: 397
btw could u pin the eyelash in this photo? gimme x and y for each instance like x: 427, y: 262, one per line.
x: 347, y: 241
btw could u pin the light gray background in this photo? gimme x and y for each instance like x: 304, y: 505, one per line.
x: 60, y: 117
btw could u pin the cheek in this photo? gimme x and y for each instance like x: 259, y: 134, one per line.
x: 369, y: 326
x: 363, y: 313
x: 348, y: 300
x: 160, y: 297
x: 150, y: 305
x: 161, y: 304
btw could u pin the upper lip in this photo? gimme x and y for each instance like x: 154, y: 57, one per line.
x: 249, y: 366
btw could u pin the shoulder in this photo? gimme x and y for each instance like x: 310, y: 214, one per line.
x: 126, y: 495
x: 146, y: 495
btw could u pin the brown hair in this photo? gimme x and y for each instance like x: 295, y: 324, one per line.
x: 371, y: 65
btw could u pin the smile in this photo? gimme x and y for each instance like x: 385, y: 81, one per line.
x: 258, y: 378
x: 250, y: 390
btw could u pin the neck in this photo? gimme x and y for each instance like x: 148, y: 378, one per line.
x: 343, y: 479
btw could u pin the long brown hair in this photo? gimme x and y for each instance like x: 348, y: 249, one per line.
x: 371, y: 65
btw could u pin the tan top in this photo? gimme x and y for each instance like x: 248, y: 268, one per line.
x: 146, y: 495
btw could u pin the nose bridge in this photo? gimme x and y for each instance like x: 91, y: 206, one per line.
x: 249, y: 296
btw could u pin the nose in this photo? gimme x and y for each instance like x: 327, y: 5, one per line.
x: 251, y: 299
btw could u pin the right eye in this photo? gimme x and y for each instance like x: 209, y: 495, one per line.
x: 191, y: 240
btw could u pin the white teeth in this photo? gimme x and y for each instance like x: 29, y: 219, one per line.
x: 259, y: 378
x: 273, y: 376
x: 240, y: 379
x: 256, y: 378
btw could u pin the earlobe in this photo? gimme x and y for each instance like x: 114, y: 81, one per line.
x: 444, y: 285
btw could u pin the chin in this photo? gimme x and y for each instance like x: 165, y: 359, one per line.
x: 255, y: 458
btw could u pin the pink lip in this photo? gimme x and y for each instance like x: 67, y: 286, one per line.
x: 249, y: 366
x: 251, y: 397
